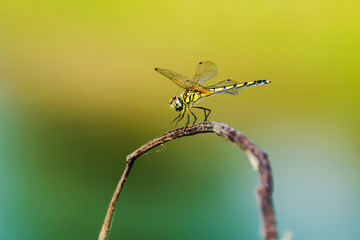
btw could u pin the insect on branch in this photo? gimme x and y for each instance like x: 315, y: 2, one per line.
x: 258, y: 158
x: 195, y: 90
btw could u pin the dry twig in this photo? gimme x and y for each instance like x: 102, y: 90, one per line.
x: 229, y: 133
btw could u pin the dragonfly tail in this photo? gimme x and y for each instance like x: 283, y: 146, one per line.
x: 250, y: 84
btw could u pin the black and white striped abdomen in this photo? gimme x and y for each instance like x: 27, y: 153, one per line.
x: 227, y: 86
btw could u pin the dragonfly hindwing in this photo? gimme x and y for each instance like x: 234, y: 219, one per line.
x: 227, y: 86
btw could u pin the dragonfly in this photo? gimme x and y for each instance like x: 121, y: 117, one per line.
x: 195, y: 90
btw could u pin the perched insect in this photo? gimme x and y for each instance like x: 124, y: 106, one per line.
x: 194, y: 90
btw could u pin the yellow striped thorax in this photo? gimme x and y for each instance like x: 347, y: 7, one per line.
x: 191, y: 96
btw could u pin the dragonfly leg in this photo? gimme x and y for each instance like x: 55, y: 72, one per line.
x: 181, y: 116
x: 205, y: 112
x: 188, y: 119
x: 176, y: 118
x: 206, y: 117
x: 195, y: 118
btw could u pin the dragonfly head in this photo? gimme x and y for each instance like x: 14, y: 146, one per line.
x: 176, y: 103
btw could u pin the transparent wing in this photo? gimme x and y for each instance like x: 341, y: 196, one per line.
x: 233, y: 91
x: 178, y: 79
x: 204, y: 72
x: 227, y: 82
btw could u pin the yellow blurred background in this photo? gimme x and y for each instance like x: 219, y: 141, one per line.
x: 78, y: 92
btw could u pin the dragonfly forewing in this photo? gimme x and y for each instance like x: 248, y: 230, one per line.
x: 178, y: 79
x: 204, y: 72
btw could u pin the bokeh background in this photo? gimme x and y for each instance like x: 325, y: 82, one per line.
x: 78, y: 93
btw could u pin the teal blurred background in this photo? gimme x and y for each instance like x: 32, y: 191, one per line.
x: 78, y: 93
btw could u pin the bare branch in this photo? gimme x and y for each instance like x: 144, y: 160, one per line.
x: 254, y: 153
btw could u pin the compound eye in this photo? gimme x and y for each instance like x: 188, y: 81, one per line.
x: 176, y: 103
x: 175, y: 100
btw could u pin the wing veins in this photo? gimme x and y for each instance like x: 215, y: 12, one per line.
x: 204, y: 72
x: 180, y: 80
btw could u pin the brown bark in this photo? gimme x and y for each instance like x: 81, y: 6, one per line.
x: 264, y: 190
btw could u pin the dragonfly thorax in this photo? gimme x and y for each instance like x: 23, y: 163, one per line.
x: 189, y: 97
x: 176, y: 103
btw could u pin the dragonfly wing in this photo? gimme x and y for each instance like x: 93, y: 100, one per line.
x: 227, y: 82
x: 178, y: 79
x: 233, y: 91
x: 204, y: 72
x: 224, y: 83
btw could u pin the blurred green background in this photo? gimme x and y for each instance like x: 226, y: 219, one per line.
x: 78, y: 93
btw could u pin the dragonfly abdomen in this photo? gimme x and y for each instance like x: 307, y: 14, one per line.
x: 238, y: 85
